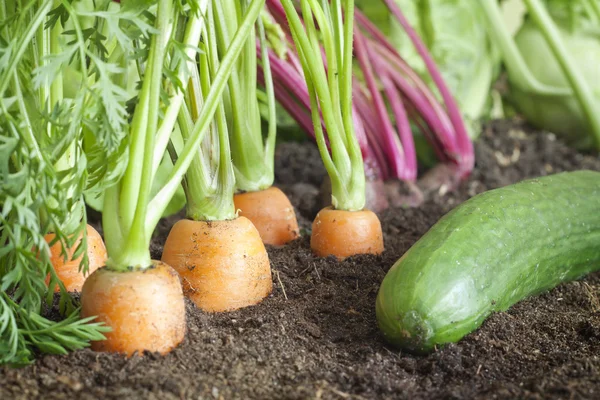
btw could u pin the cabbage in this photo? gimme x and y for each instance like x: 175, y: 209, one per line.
x: 560, y: 114
x: 553, y: 66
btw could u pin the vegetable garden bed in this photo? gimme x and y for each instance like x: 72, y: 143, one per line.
x: 316, y: 335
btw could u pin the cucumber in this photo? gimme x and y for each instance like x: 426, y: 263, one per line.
x: 487, y: 254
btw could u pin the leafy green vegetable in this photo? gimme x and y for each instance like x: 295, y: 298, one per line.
x: 581, y: 35
x: 552, y: 65
x: 20, y: 330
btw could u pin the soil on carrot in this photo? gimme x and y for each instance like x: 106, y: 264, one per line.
x: 316, y: 336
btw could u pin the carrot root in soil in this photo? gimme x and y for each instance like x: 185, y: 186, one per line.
x: 343, y: 233
x: 271, y: 213
x: 144, y: 308
x: 223, y: 265
x: 68, y: 272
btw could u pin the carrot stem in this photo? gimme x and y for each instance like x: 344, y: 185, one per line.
x: 126, y: 205
x: 328, y: 76
x: 210, y: 180
x: 251, y: 154
x: 211, y: 103
x: 193, y: 30
x: 269, y: 157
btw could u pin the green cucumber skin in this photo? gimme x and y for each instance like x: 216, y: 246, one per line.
x: 487, y: 254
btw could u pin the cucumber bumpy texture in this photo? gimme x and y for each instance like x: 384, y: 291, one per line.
x: 487, y: 254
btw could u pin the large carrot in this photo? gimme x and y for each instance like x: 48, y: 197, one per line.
x: 223, y: 264
x: 144, y: 308
x: 271, y: 212
x: 348, y: 228
x: 141, y: 299
x: 67, y: 269
x: 221, y: 258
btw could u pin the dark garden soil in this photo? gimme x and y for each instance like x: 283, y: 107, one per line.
x: 316, y: 336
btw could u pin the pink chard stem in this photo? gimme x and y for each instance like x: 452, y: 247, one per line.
x: 387, y: 134
x: 390, y: 86
x: 465, y: 158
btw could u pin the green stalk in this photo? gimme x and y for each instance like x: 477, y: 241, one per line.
x: 56, y: 86
x: 242, y: 108
x: 209, y: 182
x: 517, y: 68
x: 68, y: 159
x: 43, y: 44
x: 225, y: 182
x: 198, y: 179
x: 252, y: 155
x: 114, y: 234
x: 582, y: 91
x: 137, y: 240
x: 345, y: 165
x: 193, y: 30
x: 330, y: 166
x: 323, y: 91
x: 269, y: 159
x: 212, y: 101
x: 131, y: 179
x: 357, y: 179
x: 136, y: 253
x: 332, y: 44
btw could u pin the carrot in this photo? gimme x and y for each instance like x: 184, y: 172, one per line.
x: 220, y: 256
x: 68, y: 271
x: 346, y: 228
x: 223, y: 264
x: 145, y: 308
x: 271, y: 213
x: 345, y: 233
x: 140, y: 299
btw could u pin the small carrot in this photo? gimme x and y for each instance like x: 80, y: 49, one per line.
x: 252, y: 152
x: 346, y: 228
x: 145, y: 308
x: 345, y: 233
x: 271, y: 213
x: 68, y: 271
x: 223, y: 264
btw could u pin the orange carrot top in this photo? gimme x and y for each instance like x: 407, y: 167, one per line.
x: 220, y: 257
